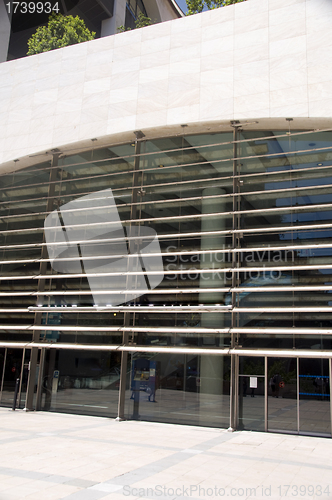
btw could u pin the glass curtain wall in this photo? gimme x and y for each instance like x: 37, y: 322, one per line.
x: 285, y: 240
x: 244, y: 224
x: 23, y: 202
x: 173, y: 388
x: 84, y: 382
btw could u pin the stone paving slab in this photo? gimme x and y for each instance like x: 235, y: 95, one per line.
x: 51, y: 456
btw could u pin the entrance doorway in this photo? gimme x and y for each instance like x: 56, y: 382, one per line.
x: 314, y: 397
x: 251, y: 398
x: 282, y: 398
x: 288, y: 395
x: 14, y: 364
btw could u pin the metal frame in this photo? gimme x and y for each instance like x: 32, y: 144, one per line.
x: 298, y: 393
x: 40, y: 380
x: 196, y: 233
x: 234, y: 381
x: 276, y: 353
x: 41, y: 288
x: 127, y: 315
x: 4, y: 368
x: 234, y: 351
x: 297, y: 208
x: 188, y: 218
x: 229, y: 159
x: 21, y: 377
x: 264, y: 137
x: 266, y: 388
x: 233, y: 393
x: 164, y: 330
x: 330, y: 381
x: 180, y: 253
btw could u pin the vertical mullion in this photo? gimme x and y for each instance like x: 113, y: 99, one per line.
x: 234, y: 223
x: 232, y: 425
x: 330, y: 373
x: 298, y: 394
x: 265, y: 396
x: 40, y: 379
x: 234, y: 400
x: 21, y: 376
x: 41, y: 287
x: 234, y: 392
x: 127, y: 314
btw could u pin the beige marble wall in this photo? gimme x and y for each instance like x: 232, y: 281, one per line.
x: 254, y: 60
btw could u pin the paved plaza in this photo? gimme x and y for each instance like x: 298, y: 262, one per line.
x: 52, y: 456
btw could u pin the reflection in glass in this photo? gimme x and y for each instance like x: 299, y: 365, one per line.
x: 84, y: 382
x: 251, y: 395
x: 12, y: 372
x: 282, y: 394
x: 175, y: 388
x: 315, y: 414
x: 271, y: 258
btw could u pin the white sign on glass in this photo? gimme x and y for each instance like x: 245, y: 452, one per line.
x: 253, y: 382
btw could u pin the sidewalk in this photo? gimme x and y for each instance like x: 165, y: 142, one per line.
x: 52, y: 456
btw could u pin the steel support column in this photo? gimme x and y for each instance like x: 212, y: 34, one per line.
x: 298, y: 394
x: 234, y: 400
x: 266, y: 386
x: 127, y: 315
x: 21, y: 378
x: 41, y: 287
x: 234, y: 393
x: 40, y: 379
x: 330, y: 379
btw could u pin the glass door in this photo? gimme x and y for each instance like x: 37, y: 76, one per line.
x: 251, y: 397
x: 314, y: 397
x: 12, y: 371
x: 298, y: 396
x: 282, y: 395
x: 24, y: 379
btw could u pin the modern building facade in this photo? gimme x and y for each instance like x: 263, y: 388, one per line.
x: 215, y: 132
